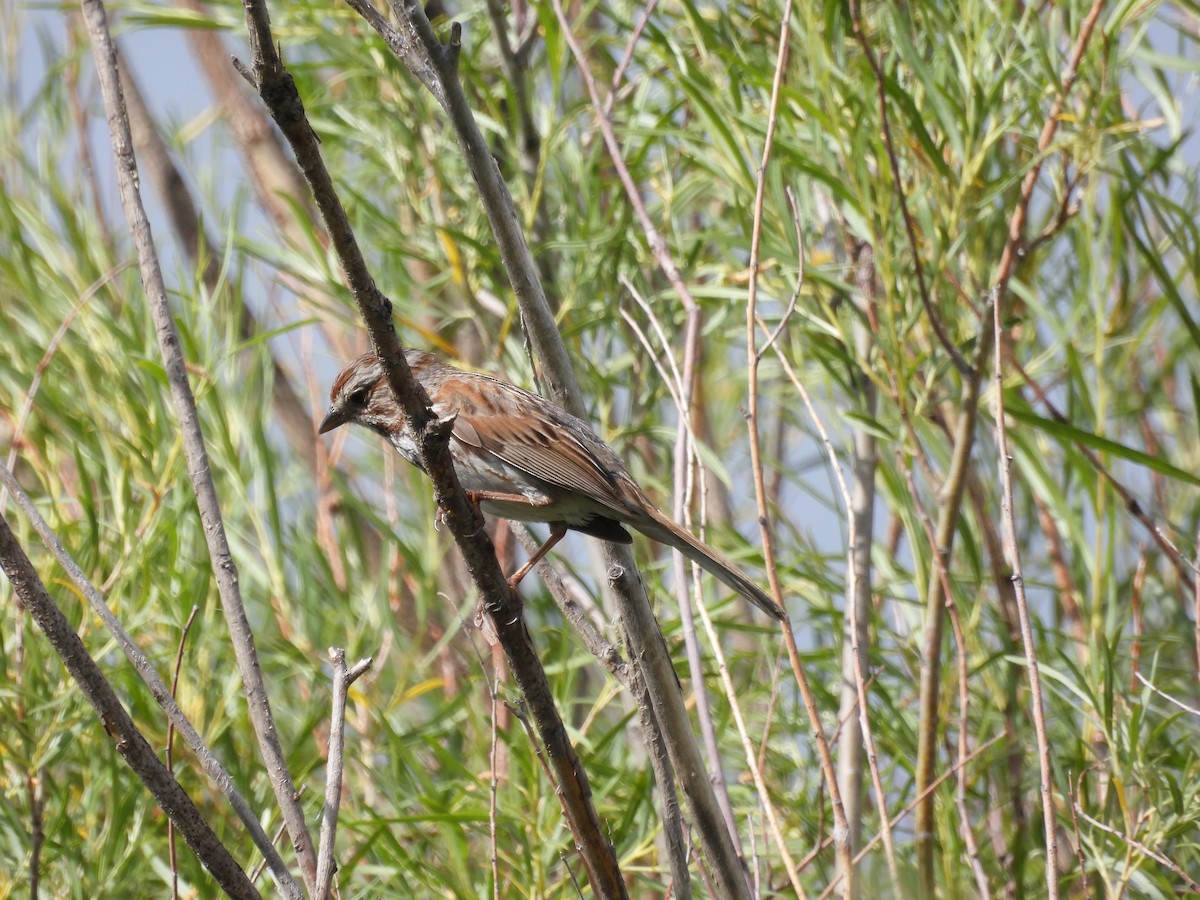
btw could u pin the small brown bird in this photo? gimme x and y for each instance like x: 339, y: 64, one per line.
x: 521, y: 457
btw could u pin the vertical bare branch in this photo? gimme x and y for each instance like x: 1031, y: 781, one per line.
x: 187, y: 626
x: 343, y: 677
x: 223, y: 566
x: 860, y: 506
x: 493, y: 780
x: 965, y: 821
x: 1031, y: 664
x: 935, y: 602
x: 859, y: 710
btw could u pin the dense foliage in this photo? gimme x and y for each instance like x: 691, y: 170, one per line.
x: 337, y: 547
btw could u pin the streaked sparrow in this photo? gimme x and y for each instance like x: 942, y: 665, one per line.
x: 521, y: 457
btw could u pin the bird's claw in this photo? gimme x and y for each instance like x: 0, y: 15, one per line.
x: 440, y: 517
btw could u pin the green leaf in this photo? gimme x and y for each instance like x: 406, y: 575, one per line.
x: 1070, y: 433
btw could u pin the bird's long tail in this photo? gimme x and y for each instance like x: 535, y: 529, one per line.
x: 660, y: 528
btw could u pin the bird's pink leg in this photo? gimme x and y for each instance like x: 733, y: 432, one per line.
x: 557, y: 530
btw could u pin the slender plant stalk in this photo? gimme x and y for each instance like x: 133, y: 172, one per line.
x: 841, y: 829
x: 858, y: 712
x: 224, y: 570
x: 1013, y: 555
x: 187, y: 626
x: 860, y: 506
x: 343, y: 677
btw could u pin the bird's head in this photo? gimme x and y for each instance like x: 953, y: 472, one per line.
x: 360, y: 396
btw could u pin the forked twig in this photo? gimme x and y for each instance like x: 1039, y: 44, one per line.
x: 343, y: 677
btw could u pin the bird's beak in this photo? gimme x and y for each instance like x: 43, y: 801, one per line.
x: 332, y: 420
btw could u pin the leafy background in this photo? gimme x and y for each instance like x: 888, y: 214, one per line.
x: 333, y: 540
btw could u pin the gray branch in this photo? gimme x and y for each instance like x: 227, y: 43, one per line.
x: 343, y: 677
x: 224, y: 570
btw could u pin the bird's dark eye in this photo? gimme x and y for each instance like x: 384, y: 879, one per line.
x: 359, y: 397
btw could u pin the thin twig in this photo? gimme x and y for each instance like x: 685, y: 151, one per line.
x: 627, y: 57
x: 257, y: 871
x: 748, y: 750
x: 1148, y: 683
x: 960, y: 643
x: 224, y: 570
x: 963, y: 748
x: 493, y: 781
x: 1083, y: 877
x: 183, y: 634
x: 673, y: 381
x: 936, y: 598
x: 788, y: 310
x: 769, y: 713
x: 1192, y: 885
x: 342, y: 679
x: 860, y: 510
x: 1135, y: 611
x: 1012, y: 547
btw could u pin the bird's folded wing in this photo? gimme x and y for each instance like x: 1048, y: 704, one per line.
x: 544, y: 445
